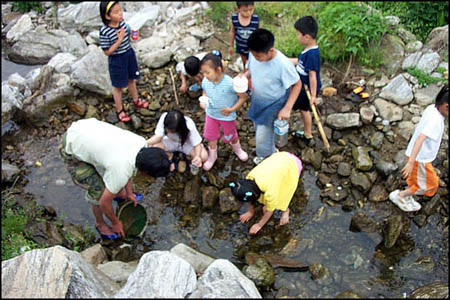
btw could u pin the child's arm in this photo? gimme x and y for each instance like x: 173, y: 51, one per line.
x: 183, y: 87
x: 256, y: 227
x: 120, y: 36
x: 197, y: 159
x: 230, y: 49
x: 248, y: 215
x: 313, y: 85
x: 228, y: 110
x: 285, y: 112
x: 407, y: 169
x: 294, y: 61
x: 154, y: 140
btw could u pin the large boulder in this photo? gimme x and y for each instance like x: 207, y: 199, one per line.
x: 157, y: 58
x: 222, y: 279
x: 11, y: 98
x: 160, y: 274
x: 83, y: 17
x: 23, y: 25
x: 62, y: 62
x: 426, y: 96
x: 196, y: 259
x: 388, y: 111
x: 429, y: 62
x: 398, y: 91
x: 54, y: 272
x: 343, y: 120
x: 438, y: 40
x: 91, y: 72
x: 411, y: 60
x: 394, y: 46
x: 436, y: 289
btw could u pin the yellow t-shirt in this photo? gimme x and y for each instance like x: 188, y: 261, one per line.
x: 277, y: 178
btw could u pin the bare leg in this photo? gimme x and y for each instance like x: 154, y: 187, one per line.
x: 307, y: 121
x: 99, y: 221
x: 132, y: 90
x: 117, y: 95
x: 405, y: 193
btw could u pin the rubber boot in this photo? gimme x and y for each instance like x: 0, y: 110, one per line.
x: 237, y: 149
x: 212, y: 156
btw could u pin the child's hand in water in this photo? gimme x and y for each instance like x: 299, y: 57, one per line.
x: 245, y: 217
x: 226, y: 111
x: 255, y: 228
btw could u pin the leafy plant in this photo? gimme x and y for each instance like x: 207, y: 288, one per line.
x: 423, y: 78
x: 219, y: 13
x: 26, y: 6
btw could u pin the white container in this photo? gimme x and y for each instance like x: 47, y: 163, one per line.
x: 240, y: 84
x: 204, y: 100
x: 281, y: 130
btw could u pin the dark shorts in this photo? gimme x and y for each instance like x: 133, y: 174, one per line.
x: 242, y: 51
x: 302, y: 102
x: 83, y: 174
x: 123, y: 67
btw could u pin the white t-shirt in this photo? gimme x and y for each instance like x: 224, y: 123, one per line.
x: 180, y: 66
x: 110, y: 149
x: 172, y: 141
x: 432, y: 125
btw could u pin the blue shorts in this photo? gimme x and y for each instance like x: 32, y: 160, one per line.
x: 123, y: 67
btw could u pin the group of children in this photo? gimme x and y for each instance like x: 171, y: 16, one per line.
x: 276, y: 87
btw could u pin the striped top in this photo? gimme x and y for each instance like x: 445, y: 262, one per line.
x: 220, y: 95
x: 241, y: 33
x: 108, y: 37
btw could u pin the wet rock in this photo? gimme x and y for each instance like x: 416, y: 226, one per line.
x: 160, y: 274
x: 335, y: 194
x: 192, y: 191
x: 154, y: 105
x: 77, y: 107
x: 362, y: 158
x: 430, y: 207
x: 9, y: 172
x: 123, y: 253
x: 94, y: 255
x: 136, y: 122
x: 363, y: 223
x: 312, y: 157
x: 196, y: 259
x: 54, y: 272
x: 398, y: 91
x: 420, y: 220
x: 393, y: 230
x: 366, y: 114
x: 260, y: 272
x: 290, y: 247
x: 111, y: 117
x: 222, y: 279
x: 385, y: 168
x: 348, y: 295
x: 323, y: 179
x: 343, y: 120
x: 23, y: 25
x: 435, y: 289
x: 318, y: 271
x: 214, y: 180
x: 429, y: 62
x: 275, y: 261
x: 360, y: 181
x: 388, y: 111
x: 227, y: 201
x: 378, y: 194
x: 209, y: 196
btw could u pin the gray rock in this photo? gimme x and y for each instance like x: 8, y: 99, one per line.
x: 344, y: 169
x: 395, y: 47
x: 363, y: 223
x: 94, y: 255
x: 392, y: 20
x: 157, y: 58
x: 200, y: 34
x: 9, y: 172
x: 210, y: 194
x: 362, y: 158
x: 23, y: 25
x: 400, y: 159
x: 366, y: 114
x: 348, y: 295
x: 222, y: 279
x: 431, y: 206
x: 11, y: 98
x: 406, y: 129
x: 432, y: 290
x: 261, y: 273
x: 411, y: 60
x: 343, y: 120
x: 83, y: 17
x: 54, y: 272
x: 413, y: 46
x: 360, y: 181
x: 378, y: 194
x: 426, y: 96
x: 192, y: 191
x: 381, y: 82
x: 429, y: 62
x: 437, y: 40
x: 393, y: 230
x: 197, y: 260
x: 376, y: 140
x: 32, y: 78
x: 91, y: 72
x: 18, y: 81
x: 118, y: 271
x: 406, y: 35
x: 388, y: 111
x: 136, y: 122
x: 318, y: 271
x: 398, y: 91
x: 227, y: 201
x: 62, y: 62
x: 160, y: 274
x: 386, y: 168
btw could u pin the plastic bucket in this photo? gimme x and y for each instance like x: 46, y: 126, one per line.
x: 134, y: 219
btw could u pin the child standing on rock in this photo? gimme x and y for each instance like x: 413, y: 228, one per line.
x: 273, y: 183
x: 221, y: 109
x: 123, y: 66
x: 422, y: 150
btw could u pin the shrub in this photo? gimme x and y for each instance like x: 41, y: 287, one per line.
x: 424, y: 78
x: 26, y: 6
x: 220, y: 14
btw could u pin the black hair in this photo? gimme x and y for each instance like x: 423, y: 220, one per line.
x: 175, y: 121
x: 103, y: 5
x: 307, y: 25
x: 153, y: 161
x: 245, y: 190
x: 261, y: 40
x: 214, y: 61
x: 442, y: 97
x: 244, y: 3
x: 192, y: 65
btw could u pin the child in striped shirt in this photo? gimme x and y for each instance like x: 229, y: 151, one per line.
x: 122, y: 62
x: 221, y: 109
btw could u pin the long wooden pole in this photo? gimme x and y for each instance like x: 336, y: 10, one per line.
x: 316, y: 117
x: 174, y: 87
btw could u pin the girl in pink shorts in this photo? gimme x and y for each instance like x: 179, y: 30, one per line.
x: 221, y: 109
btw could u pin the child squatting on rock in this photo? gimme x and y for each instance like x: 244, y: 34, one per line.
x: 122, y: 62
x: 273, y: 183
x: 421, y: 152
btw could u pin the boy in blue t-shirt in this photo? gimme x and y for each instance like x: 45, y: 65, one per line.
x: 308, y: 67
x: 243, y: 23
x: 275, y: 87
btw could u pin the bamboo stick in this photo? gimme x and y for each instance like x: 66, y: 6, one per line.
x: 316, y: 117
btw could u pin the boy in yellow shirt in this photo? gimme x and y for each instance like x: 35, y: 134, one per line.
x: 273, y: 183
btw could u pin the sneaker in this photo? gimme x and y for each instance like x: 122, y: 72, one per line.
x: 258, y: 159
x: 407, y: 204
x: 300, y: 135
x: 194, y: 88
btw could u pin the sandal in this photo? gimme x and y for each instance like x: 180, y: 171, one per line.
x: 124, y: 118
x: 300, y: 135
x: 407, y: 204
x: 140, y: 103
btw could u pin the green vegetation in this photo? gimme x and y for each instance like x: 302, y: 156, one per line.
x: 14, y: 220
x: 424, y: 78
x: 26, y: 6
x: 418, y: 17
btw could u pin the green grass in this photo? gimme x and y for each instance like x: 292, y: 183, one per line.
x: 423, y: 78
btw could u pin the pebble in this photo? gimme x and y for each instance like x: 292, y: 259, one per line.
x: 60, y: 182
x: 385, y: 122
